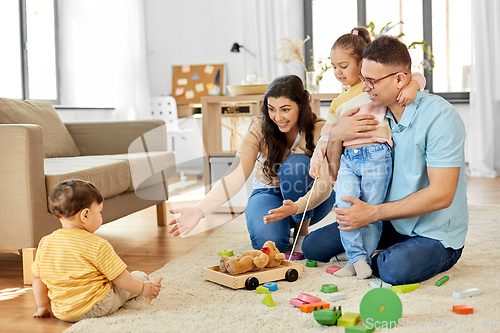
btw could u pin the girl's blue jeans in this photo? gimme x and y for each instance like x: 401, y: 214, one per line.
x: 295, y: 181
x: 364, y: 174
x: 404, y: 259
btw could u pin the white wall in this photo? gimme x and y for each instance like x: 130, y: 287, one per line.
x: 497, y: 140
x: 192, y: 32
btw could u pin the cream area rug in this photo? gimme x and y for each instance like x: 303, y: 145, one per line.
x: 188, y: 303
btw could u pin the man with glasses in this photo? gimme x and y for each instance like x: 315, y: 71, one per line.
x: 425, y: 211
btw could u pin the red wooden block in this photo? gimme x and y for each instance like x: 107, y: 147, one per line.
x: 297, y: 302
x: 332, y: 269
x: 308, y: 298
x: 463, y: 309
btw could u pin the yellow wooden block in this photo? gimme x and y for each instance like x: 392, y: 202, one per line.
x: 348, y: 319
x: 404, y: 288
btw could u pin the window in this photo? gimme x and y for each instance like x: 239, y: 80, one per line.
x: 331, y: 19
x: 444, y: 24
x: 28, y: 57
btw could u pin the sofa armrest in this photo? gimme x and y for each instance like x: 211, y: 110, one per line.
x: 24, y: 217
x: 115, y: 137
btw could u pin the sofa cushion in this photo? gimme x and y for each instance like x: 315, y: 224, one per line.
x: 110, y: 176
x: 56, y: 139
x: 146, y: 169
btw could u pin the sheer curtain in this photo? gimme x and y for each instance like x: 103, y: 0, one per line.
x: 485, y: 93
x: 102, y: 56
x: 265, y: 23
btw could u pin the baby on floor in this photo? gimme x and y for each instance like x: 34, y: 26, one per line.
x: 77, y: 274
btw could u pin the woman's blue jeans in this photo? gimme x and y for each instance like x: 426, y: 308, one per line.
x: 404, y: 259
x: 295, y: 181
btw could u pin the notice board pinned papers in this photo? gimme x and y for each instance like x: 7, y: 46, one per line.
x: 197, y: 81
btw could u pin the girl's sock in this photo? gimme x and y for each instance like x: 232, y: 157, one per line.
x: 347, y: 270
x: 363, y: 270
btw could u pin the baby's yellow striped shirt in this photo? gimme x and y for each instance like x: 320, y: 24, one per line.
x: 77, y: 267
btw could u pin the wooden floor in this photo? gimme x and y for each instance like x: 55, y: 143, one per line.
x: 143, y: 246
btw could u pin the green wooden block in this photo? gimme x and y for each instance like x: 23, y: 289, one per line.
x: 359, y: 329
x: 442, y: 280
x: 348, y: 319
x: 329, y: 288
x: 404, y: 288
x: 327, y: 317
x: 225, y: 252
x: 268, y: 300
x: 311, y: 263
x: 262, y: 290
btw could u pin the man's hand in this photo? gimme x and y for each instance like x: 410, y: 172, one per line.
x: 360, y: 214
x: 351, y: 126
x: 183, y: 224
x: 289, y: 208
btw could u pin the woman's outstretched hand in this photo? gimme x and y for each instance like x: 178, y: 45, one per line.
x: 183, y: 224
x: 289, y: 208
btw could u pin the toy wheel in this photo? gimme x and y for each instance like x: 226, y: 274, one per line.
x: 252, y: 283
x: 292, y: 275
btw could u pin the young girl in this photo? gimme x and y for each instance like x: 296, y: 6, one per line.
x: 366, y: 164
x: 278, y: 145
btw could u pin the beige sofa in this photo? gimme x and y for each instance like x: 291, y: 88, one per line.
x: 127, y: 161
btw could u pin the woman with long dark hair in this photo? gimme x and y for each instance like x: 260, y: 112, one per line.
x: 278, y: 145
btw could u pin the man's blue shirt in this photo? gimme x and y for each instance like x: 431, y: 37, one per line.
x: 430, y: 134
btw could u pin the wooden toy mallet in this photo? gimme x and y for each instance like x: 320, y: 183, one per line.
x: 302, y: 221
x: 158, y: 279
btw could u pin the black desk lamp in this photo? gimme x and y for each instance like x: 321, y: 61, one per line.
x: 236, y: 48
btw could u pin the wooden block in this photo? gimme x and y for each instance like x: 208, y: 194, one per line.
x: 349, y: 319
x: 262, y: 290
x: 380, y: 284
x: 463, y: 309
x: 404, y: 288
x: 466, y: 293
x: 28, y: 258
x: 268, y: 300
x: 332, y: 269
x: 442, y: 280
x: 359, y: 329
x: 297, y: 302
x: 337, y: 297
x: 314, y: 306
x: 309, y: 298
x: 329, y: 288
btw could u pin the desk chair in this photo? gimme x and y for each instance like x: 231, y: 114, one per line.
x: 165, y: 108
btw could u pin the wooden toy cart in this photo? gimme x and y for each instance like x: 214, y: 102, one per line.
x: 250, y: 280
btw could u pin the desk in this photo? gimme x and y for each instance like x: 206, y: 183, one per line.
x: 211, y: 111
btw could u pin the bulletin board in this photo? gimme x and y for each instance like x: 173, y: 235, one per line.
x: 191, y: 82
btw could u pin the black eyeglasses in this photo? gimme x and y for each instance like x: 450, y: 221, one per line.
x: 371, y: 83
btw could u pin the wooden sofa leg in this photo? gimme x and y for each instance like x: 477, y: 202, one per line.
x: 28, y: 258
x: 161, y: 213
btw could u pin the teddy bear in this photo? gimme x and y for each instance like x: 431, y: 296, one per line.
x: 253, y: 260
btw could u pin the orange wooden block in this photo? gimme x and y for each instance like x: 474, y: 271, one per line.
x: 314, y: 306
x: 463, y: 309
